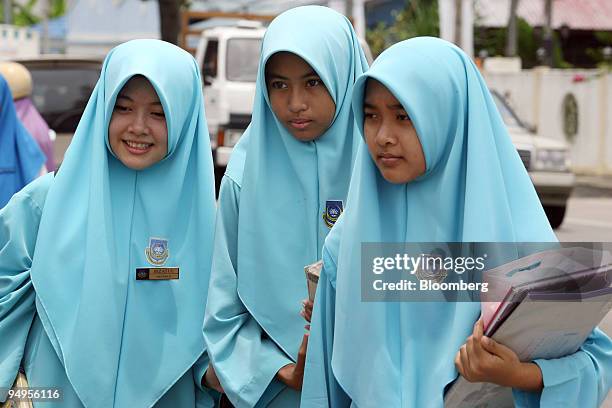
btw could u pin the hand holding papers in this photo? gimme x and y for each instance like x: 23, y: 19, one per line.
x: 313, y: 271
x: 551, y: 302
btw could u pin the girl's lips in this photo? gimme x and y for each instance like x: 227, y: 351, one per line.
x: 390, y: 161
x: 137, y: 148
x: 299, y: 124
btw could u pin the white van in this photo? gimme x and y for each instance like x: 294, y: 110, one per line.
x: 228, y: 57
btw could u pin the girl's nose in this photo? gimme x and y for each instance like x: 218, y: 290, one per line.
x: 139, y: 124
x: 297, y: 102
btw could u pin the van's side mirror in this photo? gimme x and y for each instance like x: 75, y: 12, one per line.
x: 208, y: 80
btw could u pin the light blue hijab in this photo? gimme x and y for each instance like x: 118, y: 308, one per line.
x: 475, y: 189
x: 20, y: 157
x: 285, y: 183
x: 125, y: 342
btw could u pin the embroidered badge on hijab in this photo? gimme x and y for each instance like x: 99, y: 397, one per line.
x: 333, y: 209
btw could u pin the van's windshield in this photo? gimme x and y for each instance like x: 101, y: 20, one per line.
x: 243, y: 59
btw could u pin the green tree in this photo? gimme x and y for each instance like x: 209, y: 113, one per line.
x: 23, y: 12
x: 597, y: 54
x: 418, y: 18
x: 494, y: 41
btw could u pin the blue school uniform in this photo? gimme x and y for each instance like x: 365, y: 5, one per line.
x: 474, y: 189
x: 73, y: 313
x: 275, y: 211
x: 20, y: 157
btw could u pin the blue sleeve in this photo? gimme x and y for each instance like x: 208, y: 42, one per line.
x: 30, y: 157
x: 582, y: 379
x: 19, y: 221
x: 204, y: 393
x: 245, y: 359
x: 320, y: 388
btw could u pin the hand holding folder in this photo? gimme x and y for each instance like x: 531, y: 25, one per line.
x: 546, y: 313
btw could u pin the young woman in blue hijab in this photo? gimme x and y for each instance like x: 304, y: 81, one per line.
x: 437, y: 165
x: 21, y: 160
x: 283, y: 189
x: 106, y: 263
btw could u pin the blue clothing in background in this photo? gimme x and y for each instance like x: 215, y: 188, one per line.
x: 20, y: 157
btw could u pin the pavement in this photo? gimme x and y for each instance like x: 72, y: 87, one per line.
x: 593, y: 186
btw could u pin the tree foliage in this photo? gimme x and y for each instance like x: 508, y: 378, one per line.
x: 417, y: 18
x: 23, y: 13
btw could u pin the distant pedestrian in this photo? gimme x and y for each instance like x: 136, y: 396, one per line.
x: 20, y: 82
x: 21, y: 160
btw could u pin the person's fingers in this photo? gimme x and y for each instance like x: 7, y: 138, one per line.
x: 301, y: 360
x: 465, y: 362
x: 478, y: 329
x: 458, y: 364
x: 476, y: 352
x: 470, y: 355
x: 497, y: 349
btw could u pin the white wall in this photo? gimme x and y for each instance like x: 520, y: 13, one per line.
x: 537, y: 96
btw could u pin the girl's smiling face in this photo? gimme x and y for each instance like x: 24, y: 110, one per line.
x: 137, y: 132
x: 390, y: 135
x: 298, y: 97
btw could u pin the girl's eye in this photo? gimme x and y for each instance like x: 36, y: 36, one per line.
x: 403, y: 116
x: 369, y: 115
x: 120, y: 108
x: 158, y: 114
x: 278, y: 85
x: 313, y: 82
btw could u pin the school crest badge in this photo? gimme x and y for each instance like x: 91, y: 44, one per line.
x: 333, y: 209
x: 157, y: 252
x: 433, y: 271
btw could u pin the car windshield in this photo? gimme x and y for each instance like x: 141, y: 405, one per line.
x: 243, y: 59
x: 61, y: 94
x: 509, y: 117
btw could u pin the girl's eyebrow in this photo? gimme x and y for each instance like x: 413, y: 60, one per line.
x: 122, y: 96
x: 307, y: 75
x: 397, y: 106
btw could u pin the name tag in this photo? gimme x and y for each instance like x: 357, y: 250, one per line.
x: 157, y: 273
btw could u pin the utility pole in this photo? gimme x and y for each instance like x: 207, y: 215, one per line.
x: 46, y: 9
x: 511, y: 44
x: 7, y: 11
x: 548, y: 34
x: 458, y: 22
x: 338, y: 5
x: 359, y: 20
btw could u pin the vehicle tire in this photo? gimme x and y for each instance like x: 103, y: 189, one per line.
x: 555, y: 215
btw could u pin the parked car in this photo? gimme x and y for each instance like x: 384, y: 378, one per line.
x: 62, y: 86
x: 546, y: 160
